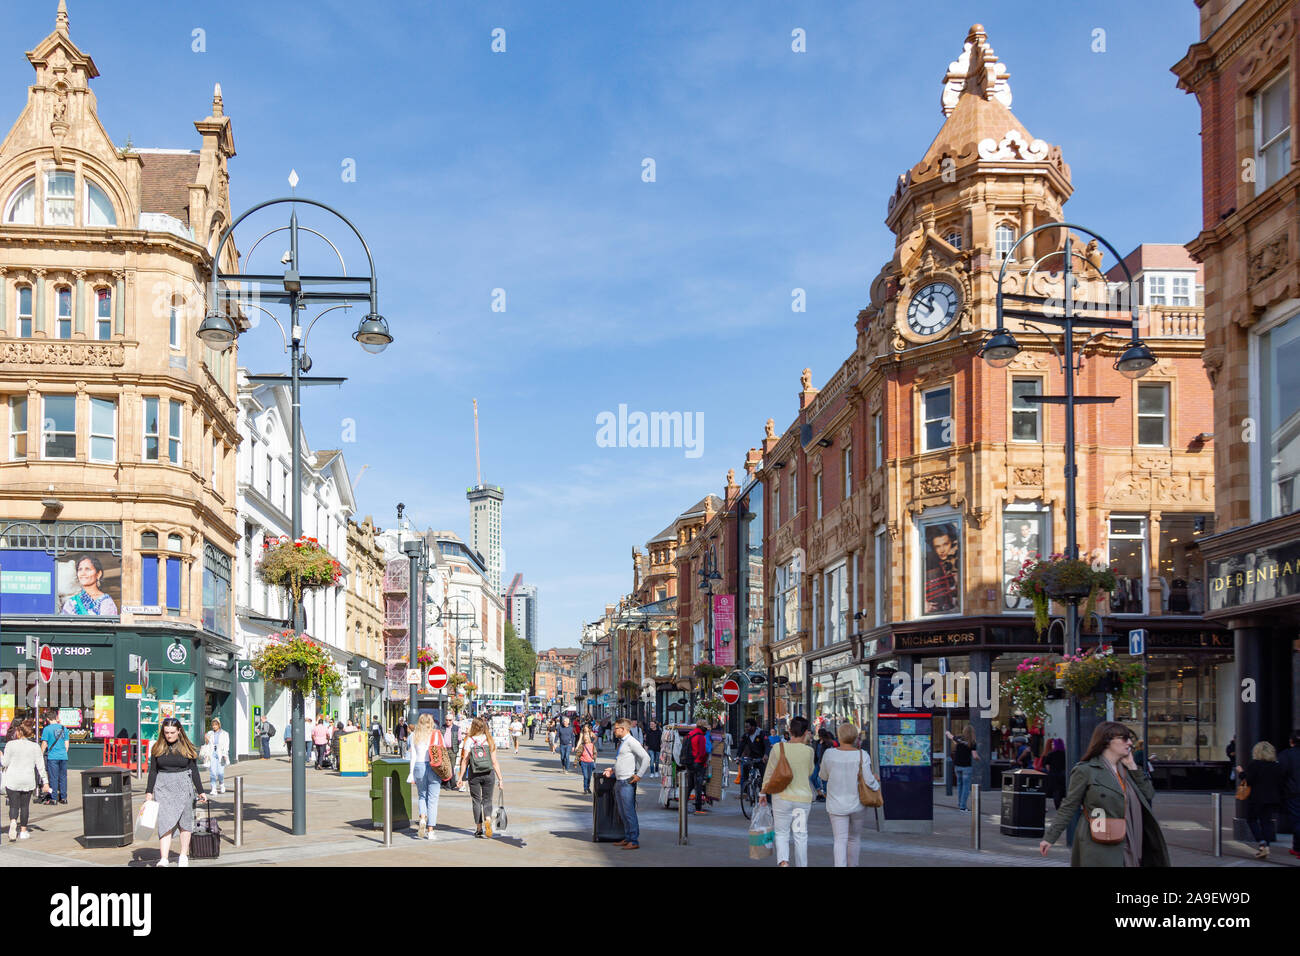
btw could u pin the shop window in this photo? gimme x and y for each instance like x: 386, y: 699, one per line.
x: 936, y: 429
x: 1182, y: 584
x: 1024, y: 538
x: 59, y: 425
x: 1277, y: 440
x: 17, y: 427
x: 941, y: 569
x: 168, y: 694
x: 1128, y: 559
x: 1189, y: 700
x: 1026, y: 416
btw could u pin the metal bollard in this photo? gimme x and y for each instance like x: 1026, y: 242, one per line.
x: 975, y: 832
x: 388, y: 810
x: 239, y: 811
x: 681, y: 809
x: 1216, y: 822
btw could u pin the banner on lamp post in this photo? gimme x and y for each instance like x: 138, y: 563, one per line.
x: 724, y: 630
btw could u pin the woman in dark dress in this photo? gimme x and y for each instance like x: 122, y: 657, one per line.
x: 1265, y: 777
x: 1054, y: 767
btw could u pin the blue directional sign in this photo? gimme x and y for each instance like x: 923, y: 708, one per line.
x: 1137, y: 641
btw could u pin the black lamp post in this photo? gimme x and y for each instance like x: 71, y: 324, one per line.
x: 297, y: 291
x: 1001, y: 347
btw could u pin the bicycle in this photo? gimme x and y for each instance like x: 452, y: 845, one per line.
x: 751, y: 789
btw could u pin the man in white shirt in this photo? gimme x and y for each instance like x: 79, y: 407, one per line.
x: 631, y: 762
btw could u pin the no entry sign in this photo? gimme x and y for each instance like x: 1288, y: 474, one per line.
x: 46, y: 665
x: 731, y: 692
x: 437, y: 677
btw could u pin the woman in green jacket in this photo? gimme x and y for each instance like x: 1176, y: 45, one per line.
x: 1108, y: 784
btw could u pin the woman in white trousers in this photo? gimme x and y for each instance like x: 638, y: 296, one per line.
x: 840, y: 769
x: 790, y: 805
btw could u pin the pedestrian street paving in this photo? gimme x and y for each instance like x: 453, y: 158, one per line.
x: 550, y: 825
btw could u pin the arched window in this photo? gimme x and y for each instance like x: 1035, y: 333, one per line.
x: 98, y: 207
x: 21, y: 207
x: 953, y: 239
x: 1003, y: 239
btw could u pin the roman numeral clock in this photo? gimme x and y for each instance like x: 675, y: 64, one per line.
x: 932, y: 309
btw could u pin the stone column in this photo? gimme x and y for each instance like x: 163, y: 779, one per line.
x: 79, y: 313
x: 38, y: 307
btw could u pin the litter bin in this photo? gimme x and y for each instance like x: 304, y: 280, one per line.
x: 397, y: 769
x: 1024, y: 803
x: 106, y: 817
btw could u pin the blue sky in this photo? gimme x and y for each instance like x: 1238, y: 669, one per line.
x: 522, y: 171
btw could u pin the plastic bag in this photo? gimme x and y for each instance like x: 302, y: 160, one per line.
x: 147, y: 818
x: 762, y: 837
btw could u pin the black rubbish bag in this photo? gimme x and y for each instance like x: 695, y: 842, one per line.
x: 606, y: 823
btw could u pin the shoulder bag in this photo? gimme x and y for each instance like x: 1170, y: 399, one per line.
x: 782, y: 775
x: 439, y: 759
x: 1105, y: 829
x: 866, y: 796
x: 1243, y: 789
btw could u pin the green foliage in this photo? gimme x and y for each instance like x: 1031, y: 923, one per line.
x: 1099, y: 671
x: 1043, y: 580
x: 1027, y: 688
x: 298, y: 566
x: 708, y: 675
x: 288, y: 650
x: 521, y: 661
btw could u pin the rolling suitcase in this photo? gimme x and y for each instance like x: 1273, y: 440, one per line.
x: 606, y: 824
x: 205, y: 842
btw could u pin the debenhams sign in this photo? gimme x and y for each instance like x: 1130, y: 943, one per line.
x: 1253, y: 577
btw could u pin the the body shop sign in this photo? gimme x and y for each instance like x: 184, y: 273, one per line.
x: 724, y: 630
x: 1254, y: 577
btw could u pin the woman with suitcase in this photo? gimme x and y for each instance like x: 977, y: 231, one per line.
x: 173, y: 781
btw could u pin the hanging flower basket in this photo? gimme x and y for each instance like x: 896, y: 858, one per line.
x: 629, y: 688
x: 708, y: 674
x: 470, y: 687
x: 1057, y: 578
x: 711, y: 708
x: 1030, y: 686
x: 457, y: 681
x: 425, y: 657
x: 296, y: 661
x: 298, y: 566
x: 1093, y: 676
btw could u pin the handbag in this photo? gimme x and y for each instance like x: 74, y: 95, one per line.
x: 782, y: 775
x: 866, y: 796
x: 499, y: 820
x: 440, y: 761
x: 1243, y: 789
x: 1106, y: 830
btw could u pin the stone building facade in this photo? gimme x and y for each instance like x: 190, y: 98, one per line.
x: 119, y: 425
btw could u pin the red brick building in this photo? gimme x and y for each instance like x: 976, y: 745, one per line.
x: 1243, y: 73
x: 907, y: 491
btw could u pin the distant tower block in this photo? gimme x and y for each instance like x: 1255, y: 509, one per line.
x: 485, y: 528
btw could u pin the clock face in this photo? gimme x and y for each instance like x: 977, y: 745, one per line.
x: 932, y: 309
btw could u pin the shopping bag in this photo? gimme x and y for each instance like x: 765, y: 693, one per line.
x: 762, y: 837
x: 147, y: 818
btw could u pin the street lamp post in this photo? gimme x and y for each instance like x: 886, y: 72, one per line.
x: 1001, y: 347
x: 296, y: 291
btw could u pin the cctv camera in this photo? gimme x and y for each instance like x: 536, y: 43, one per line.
x: 287, y: 257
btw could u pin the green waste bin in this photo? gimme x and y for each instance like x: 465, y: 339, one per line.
x: 397, y: 769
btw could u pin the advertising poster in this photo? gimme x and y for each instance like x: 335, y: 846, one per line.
x: 724, y: 630
x: 6, y: 712
x: 1022, y: 540
x: 87, y: 583
x: 70, y: 717
x: 104, y: 715
x: 942, y: 556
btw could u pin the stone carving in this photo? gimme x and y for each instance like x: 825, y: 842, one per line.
x: 1174, y: 488
x: 1212, y: 359
x: 62, y: 353
x: 1027, y: 476
x: 1130, y: 488
x: 731, y: 477
x: 1268, y: 259
x: 976, y: 71
x: 769, y: 428
x: 1026, y: 360
x: 979, y: 517
x: 1013, y: 146
x: 805, y: 379
x: 875, y: 502
x: 933, y: 371
x: 1154, y: 462
x: 935, y: 484
x: 1274, y: 39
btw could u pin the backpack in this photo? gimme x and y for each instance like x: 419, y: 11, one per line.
x: 271, y: 732
x: 690, y: 753
x: 480, y: 757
